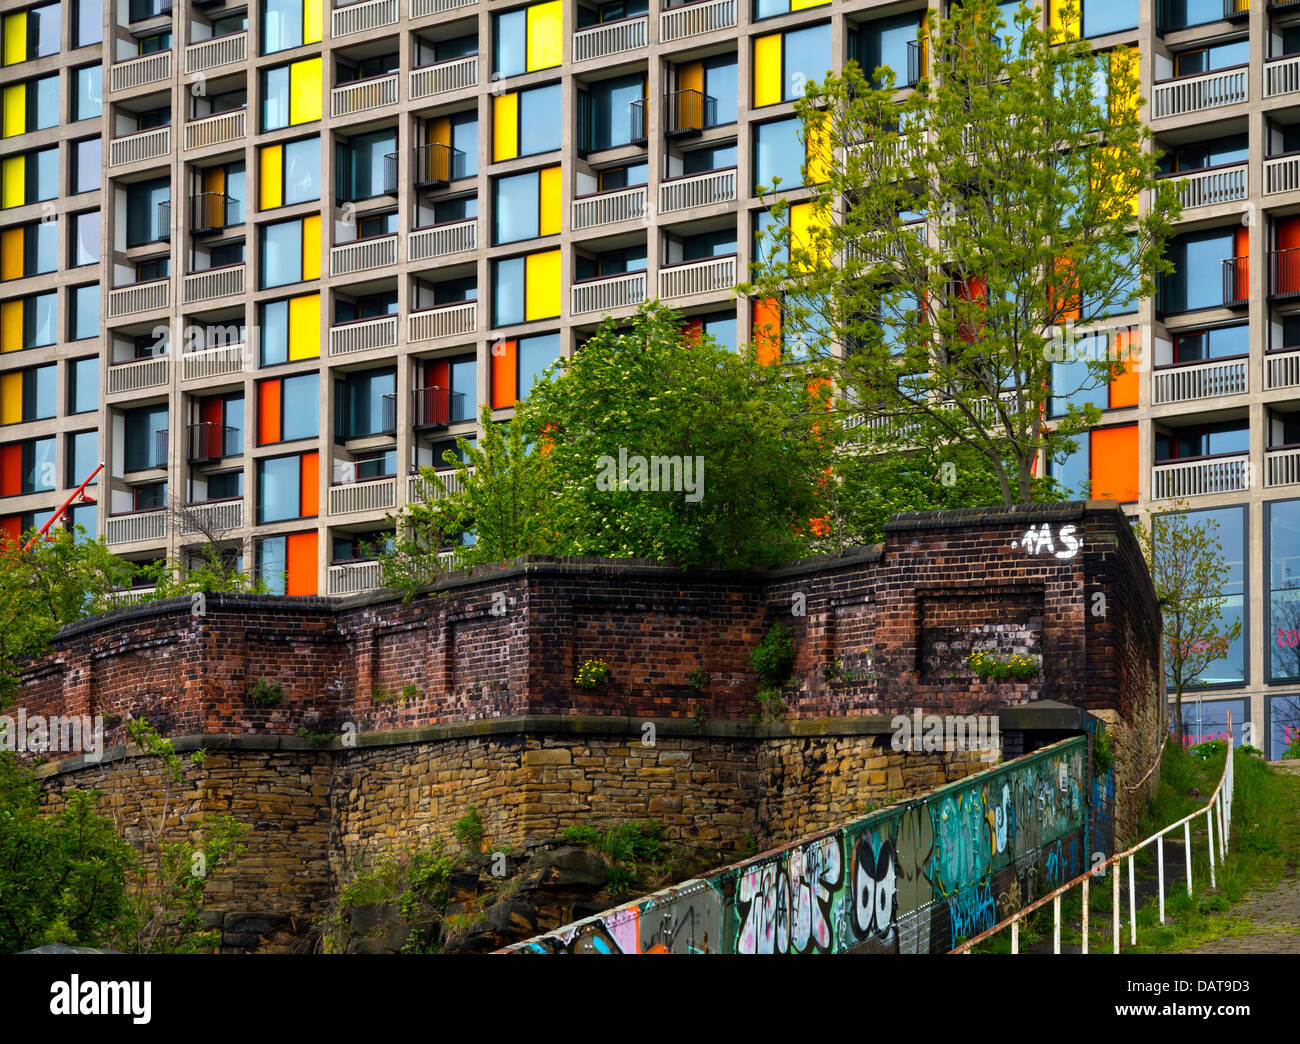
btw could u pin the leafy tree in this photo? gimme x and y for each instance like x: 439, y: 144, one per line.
x: 211, y: 571
x: 1188, y: 572
x: 948, y: 235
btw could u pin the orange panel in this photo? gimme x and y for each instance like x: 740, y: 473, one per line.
x: 309, y: 490
x: 692, y: 331
x: 1241, y: 251
x: 210, y: 411
x: 268, y: 412
x: 1124, y: 388
x: 11, y: 470
x: 1115, y: 463
x: 439, y: 373
x: 503, y: 374
x: 767, y: 330
x: 300, y: 564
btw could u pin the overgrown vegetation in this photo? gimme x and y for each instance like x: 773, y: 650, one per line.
x: 265, y: 693
x: 635, y: 852
x: 469, y: 830
x: 414, y: 879
x: 772, y: 660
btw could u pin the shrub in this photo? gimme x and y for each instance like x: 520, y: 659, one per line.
x: 469, y: 829
x: 266, y: 693
x: 591, y: 673
x: 773, y: 657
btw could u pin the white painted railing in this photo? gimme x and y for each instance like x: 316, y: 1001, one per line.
x: 364, y: 336
x: 353, y: 578
x: 601, y: 41
x: 424, y: 8
x: 362, y: 255
x: 440, y: 240
x: 1199, y: 478
x: 213, y: 517
x: 698, y: 277
x: 212, y: 362
x: 362, y: 18
x: 216, y: 130
x: 609, y: 207
x: 1195, y: 93
x: 698, y: 190
x: 139, y: 72
x: 677, y: 23
x: 376, y: 495
x: 1282, y: 76
x: 131, y: 597
x: 1213, y: 186
x: 447, y: 321
x: 1282, y: 174
x: 1282, y: 467
x: 1282, y: 370
x: 363, y: 95
x: 212, y: 54
x: 143, y: 525
x: 600, y: 295
x: 418, y: 491
x: 213, y: 283
x: 147, y: 145
x: 141, y: 297
x: 459, y: 74
x: 875, y: 248
x: 1201, y: 381
x: 138, y: 375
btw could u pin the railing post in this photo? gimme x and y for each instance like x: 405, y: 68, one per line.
x: 1015, y: 935
x: 1056, y: 923
x: 1084, y: 887
x: 1160, y: 869
x: 1187, y: 852
x: 1132, y: 906
x: 1209, y: 822
x: 1223, y: 846
x: 1115, y: 871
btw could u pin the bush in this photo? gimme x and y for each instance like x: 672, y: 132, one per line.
x: 773, y: 657
x: 469, y: 829
x: 266, y: 693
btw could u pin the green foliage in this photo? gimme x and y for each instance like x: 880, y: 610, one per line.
x: 698, y: 678
x: 591, y: 673
x: 986, y: 665
x: 630, y: 849
x: 773, y: 657
x: 581, y: 834
x: 469, y: 830
x: 406, y: 694
x: 413, y: 879
x: 1103, y: 752
x: 316, y: 739
x: 1292, y: 750
x: 266, y: 693
x: 210, y: 573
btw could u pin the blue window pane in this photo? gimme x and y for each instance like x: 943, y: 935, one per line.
x: 89, y: 99
x: 1110, y: 16
x: 1283, y: 572
x: 40, y: 319
x: 1197, y: 279
x: 302, y: 171
x: 464, y: 143
x: 510, y: 48
x: 275, y: 98
x: 47, y: 174
x: 508, y: 292
x: 464, y: 389
x: 39, y: 397
x: 807, y: 59
x: 87, y: 28
x: 1284, y: 716
x: 282, y: 24
x: 85, y: 238
x: 272, y: 562
x: 539, y: 120
x: 47, y: 100
x: 41, y: 475
x: 275, y: 333
x: 84, y: 397
x: 282, y: 254
x: 87, y: 517
x: 535, y: 354
x: 1180, y: 14
x: 516, y: 207
x: 83, y: 458
x: 723, y: 330
x: 278, y: 494
x: 301, y: 403
x: 1074, y: 473
x: 778, y: 154
x: 722, y: 84
x: 1231, y: 668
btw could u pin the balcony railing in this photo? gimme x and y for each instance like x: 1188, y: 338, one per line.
x: 1236, y: 10
x: 212, y: 283
x: 364, y: 95
x: 680, y: 22
x: 437, y: 165
x: 1284, y: 273
x: 607, y: 208
x: 1282, y: 467
x: 1199, y: 478
x: 431, y: 407
x: 1196, y: 93
x: 211, y: 441
x: 1207, y: 187
x: 602, y: 295
x: 1282, y: 370
x: 418, y: 491
x: 213, y: 212
x: 351, y: 19
x: 697, y: 190
x: 135, y: 148
x: 212, y: 516
x: 136, y: 527
x: 363, y: 255
x: 698, y: 277
x: 1282, y: 76
x: 459, y: 74
x: 914, y: 63
x: 139, y: 297
x: 688, y: 112
x: 454, y: 237
x: 353, y: 578
x: 220, y: 129
x: 212, y: 54
x: 453, y: 320
x: 212, y: 362
x: 375, y: 495
x: 137, y: 375
x: 1236, y: 282
x: 1202, y: 380
x: 424, y: 8
x: 140, y: 72
x: 364, y: 335
x: 132, y: 597
x: 602, y: 41
x: 1282, y: 173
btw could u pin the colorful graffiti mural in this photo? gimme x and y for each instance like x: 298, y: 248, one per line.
x: 915, y: 878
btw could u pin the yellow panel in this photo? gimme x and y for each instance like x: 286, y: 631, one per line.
x: 548, y: 211
x: 15, y: 117
x: 11, y: 253
x: 817, y: 136
x: 311, y: 20
x: 807, y: 222
x: 214, y: 180
x: 505, y: 127
x: 304, y: 327
x: 690, y: 77
x: 11, y: 326
x: 271, y: 177
x: 542, y: 285
x: 439, y: 131
x: 544, y: 41
x: 16, y: 38
x: 13, y: 177
x: 311, y: 247
x: 803, y: 5
x: 767, y: 70
x: 1068, y: 28
x: 305, y: 91
x: 11, y: 398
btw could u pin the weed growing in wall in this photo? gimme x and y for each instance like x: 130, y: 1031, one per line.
x: 591, y: 673
x: 266, y: 693
x: 469, y: 830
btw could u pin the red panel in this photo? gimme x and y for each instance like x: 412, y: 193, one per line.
x: 1241, y: 251
x: 268, y: 412
x: 310, y: 479
x: 211, y: 411
x: 504, y: 379
x: 300, y: 564
x: 11, y: 529
x: 11, y: 469
x: 693, y: 331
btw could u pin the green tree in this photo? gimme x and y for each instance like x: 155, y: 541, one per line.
x: 950, y: 234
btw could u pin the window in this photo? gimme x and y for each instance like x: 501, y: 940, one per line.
x: 87, y: 22
x: 1075, y: 382
x: 291, y: 330
x: 290, y: 251
x: 29, y: 34
x: 27, y: 467
x: 288, y: 408
x: 527, y: 39
x: 768, y: 8
x: 526, y: 288
x: 86, y: 171
x: 433, y: 52
x: 715, y: 157
x: 224, y: 485
x: 439, y: 450
x: 29, y: 322
x: 290, y: 23
x: 516, y: 365
x: 1282, y: 522
x: 155, y: 42
x: 611, y: 113
x: 450, y: 151
x: 1222, y: 342
x: 370, y: 306
x: 287, y: 564
x: 145, y: 221
x: 154, y: 268
x: 525, y: 123
x: 784, y: 63
x: 1216, y: 56
x: 83, y: 322
x: 1206, y: 440
x: 28, y: 250
x: 83, y: 457
x: 286, y: 487
x: 1232, y: 148
x: 362, y: 166
x: 615, y: 178
x: 446, y: 392
x: 28, y: 395
x: 778, y: 154
x: 526, y: 206
x: 373, y: 225
x: 143, y: 448
x: 610, y: 262
x: 32, y: 105
x: 291, y: 94
x: 1198, y: 279
x: 1183, y: 14
x: 1104, y: 467
x: 891, y: 43
x: 721, y: 243
x: 83, y: 385
x: 85, y: 239
x: 29, y: 177
x: 365, y: 404
x: 88, y: 96
x: 289, y: 173
x: 721, y: 326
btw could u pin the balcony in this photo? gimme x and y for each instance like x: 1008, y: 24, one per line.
x: 1282, y: 466
x: 213, y: 54
x: 353, y: 578
x: 134, y: 596
x: 418, y: 491
x: 213, y: 283
x: 688, y: 112
x: 1199, y: 478
x: 214, y: 212
x: 363, y: 254
x: 915, y: 63
x: 453, y: 320
x: 136, y: 376
x: 698, y: 277
x: 1282, y: 370
x: 354, y: 497
x: 436, y: 165
x: 1282, y: 76
x: 140, y: 72
x: 1236, y: 282
x: 610, y: 38
x: 432, y: 407
x: 136, y: 527
x: 424, y: 8
x: 212, y: 516
x: 697, y: 190
x: 1282, y: 173
x: 220, y: 129
x: 1200, y: 380
x: 209, y: 441
x: 350, y: 19
x: 459, y: 74
x: 1210, y: 90
x: 139, y: 297
x: 151, y: 144
x: 363, y: 335
x: 607, y: 293
x: 874, y: 248
x: 608, y: 208
x: 212, y: 362
x: 681, y: 21
x: 1284, y: 274
x: 364, y: 95
x: 452, y: 237
x: 1204, y: 188
x: 1236, y: 10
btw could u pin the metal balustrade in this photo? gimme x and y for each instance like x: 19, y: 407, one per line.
x: 131, y: 597
x: 353, y: 578
x: 363, y: 336
x: 212, y: 283
x: 697, y: 190
x: 424, y: 8
x: 220, y: 129
x: 1199, y: 478
x: 1200, y: 381
x: 601, y: 295
x: 1197, y: 93
x: 363, y: 95
x: 441, y: 240
x: 210, y: 441
x: 698, y: 277
x: 214, y: 53
x: 1282, y: 467
x: 140, y: 72
x: 459, y: 74
x: 363, y: 255
x: 419, y: 491
x: 1282, y: 76
x: 135, y: 527
x: 680, y: 22
x: 602, y: 41
x: 1205, y: 188
x: 606, y: 208
x: 1282, y: 173
x: 139, y: 297
x: 138, y: 375
x: 353, y: 497
x: 350, y: 19
x: 212, y: 517
x: 212, y: 362
x: 1282, y: 370
x: 446, y: 321
x: 154, y: 143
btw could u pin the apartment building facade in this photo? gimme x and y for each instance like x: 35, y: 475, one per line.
x: 265, y: 259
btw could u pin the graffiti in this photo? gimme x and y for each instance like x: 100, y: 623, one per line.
x: 787, y: 905
x: 963, y: 841
x: 914, y: 851
x: 972, y: 911
x: 875, y: 898
x: 690, y: 924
